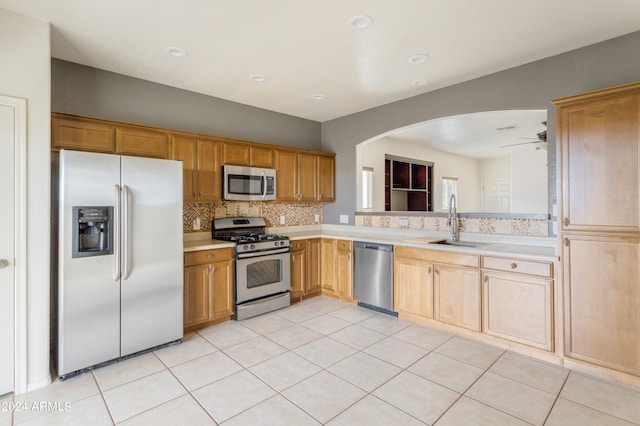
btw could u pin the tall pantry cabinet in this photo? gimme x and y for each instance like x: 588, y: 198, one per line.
x: 598, y: 137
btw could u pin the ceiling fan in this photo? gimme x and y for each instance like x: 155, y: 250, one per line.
x: 541, y: 139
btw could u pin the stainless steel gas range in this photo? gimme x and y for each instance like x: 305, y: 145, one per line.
x: 263, y: 275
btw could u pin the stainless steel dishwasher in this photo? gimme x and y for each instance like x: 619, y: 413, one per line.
x: 373, y: 275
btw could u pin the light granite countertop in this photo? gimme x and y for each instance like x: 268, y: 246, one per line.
x: 532, y: 248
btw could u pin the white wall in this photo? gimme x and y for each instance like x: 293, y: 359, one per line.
x: 25, y: 73
x: 445, y: 164
x: 529, y: 180
x: 495, y: 168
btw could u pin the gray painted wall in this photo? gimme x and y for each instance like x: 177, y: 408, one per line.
x: 82, y: 90
x: 533, y: 85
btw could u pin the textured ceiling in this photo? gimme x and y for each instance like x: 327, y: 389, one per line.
x: 306, y: 47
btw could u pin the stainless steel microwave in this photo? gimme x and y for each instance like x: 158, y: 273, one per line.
x: 249, y: 183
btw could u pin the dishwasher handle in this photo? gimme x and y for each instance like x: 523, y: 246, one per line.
x: 372, y: 246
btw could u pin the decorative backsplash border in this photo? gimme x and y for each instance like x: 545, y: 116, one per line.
x: 481, y: 225
x: 295, y: 214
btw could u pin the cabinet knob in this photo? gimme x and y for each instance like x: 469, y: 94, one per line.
x: 514, y: 265
x: 566, y: 221
x: 210, y: 255
x: 429, y: 270
x: 4, y: 263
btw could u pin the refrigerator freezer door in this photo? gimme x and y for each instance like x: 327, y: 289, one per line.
x: 88, y: 293
x: 152, y: 250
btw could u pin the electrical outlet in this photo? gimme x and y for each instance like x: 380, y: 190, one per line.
x: 316, y: 218
x: 404, y: 222
x: 196, y: 224
x: 282, y: 220
x: 344, y: 218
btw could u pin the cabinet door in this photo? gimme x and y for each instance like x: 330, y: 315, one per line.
x: 413, y: 288
x: 602, y: 301
x: 314, y: 275
x: 286, y: 176
x: 298, y: 271
x: 209, y: 173
x: 307, y: 177
x: 457, y: 296
x: 236, y: 153
x: 327, y: 266
x: 82, y: 135
x: 142, y: 142
x: 185, y: 150
x: 518, y: 308
x: 344, y: 269
x: 260, y: 156
x: 600, y: 166
x: 326, y: 178
x: 196, y: 294
x: 221, y: 282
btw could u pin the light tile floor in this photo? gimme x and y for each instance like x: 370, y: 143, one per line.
x: 326, y: 362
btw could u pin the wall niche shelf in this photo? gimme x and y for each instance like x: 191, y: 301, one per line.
x: 408, y: 184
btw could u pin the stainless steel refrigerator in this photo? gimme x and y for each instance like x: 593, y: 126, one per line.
x: 120, y: 251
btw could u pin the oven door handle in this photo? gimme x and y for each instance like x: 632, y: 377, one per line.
x: 262, y: 253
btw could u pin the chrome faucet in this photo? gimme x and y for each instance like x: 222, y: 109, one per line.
x: 452, y: 221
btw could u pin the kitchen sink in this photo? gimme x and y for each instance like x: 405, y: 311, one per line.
x: 462, y: 243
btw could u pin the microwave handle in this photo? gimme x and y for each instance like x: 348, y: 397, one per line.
x: 264, y: 185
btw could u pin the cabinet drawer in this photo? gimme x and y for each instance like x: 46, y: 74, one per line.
x: 344, y: 245
x: 207, y: 256
x: 542, y: 269
x: 298, y: 245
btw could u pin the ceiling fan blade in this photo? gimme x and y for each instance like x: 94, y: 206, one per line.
x: 521, y: 143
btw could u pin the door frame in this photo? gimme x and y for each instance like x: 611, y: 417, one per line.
x: 20, y: 248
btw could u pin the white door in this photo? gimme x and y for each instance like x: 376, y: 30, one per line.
x: 496, y: 195
x: 7, y: 247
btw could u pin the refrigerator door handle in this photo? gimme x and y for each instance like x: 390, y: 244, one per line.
x: 116, y: 236
x: 125, y: 232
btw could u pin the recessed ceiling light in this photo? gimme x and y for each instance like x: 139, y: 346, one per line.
x: 359, y: 22
x: 419, y: 59
x: 175, y: 51
x: 258, y: 78
x: 317, y: 97
x: 420, y: 82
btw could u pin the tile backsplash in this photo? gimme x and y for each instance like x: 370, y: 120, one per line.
x: 479, y: 225
x: 295, y: 214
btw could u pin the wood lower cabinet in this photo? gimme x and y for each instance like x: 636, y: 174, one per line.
x: 305, y: 268
x: 343, y: 277
x: 413, y: 287
x: 518, y: 308
x: 208, y: 287
x: 457, y: 296
x: 602, y: 300
x: 200, y: 167
x: 327, y: 266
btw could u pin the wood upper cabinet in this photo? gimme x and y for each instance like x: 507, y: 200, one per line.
x: 457, y: 296
x: 344, y: 268
x: 247, y: 154
x: 602, y: 300
x: 599, y: 136
x: 208, y: 287
x: 200, y: 167
x: 82, y: 134
x: 413, y: 287
x: 326, y: 178
x: 307, y: 177
x: 142, y: 142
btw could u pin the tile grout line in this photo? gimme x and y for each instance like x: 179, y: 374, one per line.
x: 555, y: 401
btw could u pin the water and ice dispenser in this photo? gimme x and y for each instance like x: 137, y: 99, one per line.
x: 92, y: 231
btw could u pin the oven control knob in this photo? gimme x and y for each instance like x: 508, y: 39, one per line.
x: 253, y: 246
x: 281, y: 243
x: 245, y: 248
